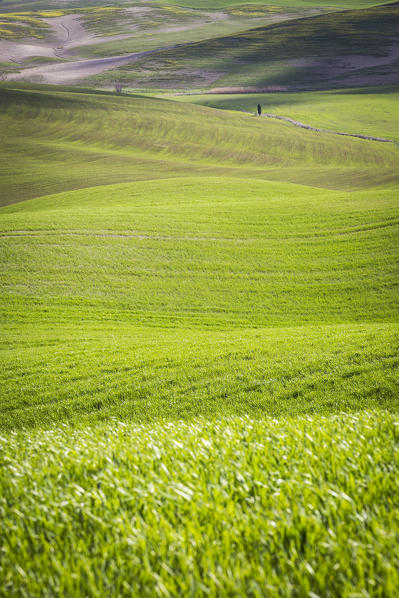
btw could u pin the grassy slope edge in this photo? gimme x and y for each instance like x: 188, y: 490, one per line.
x: 366, y: 111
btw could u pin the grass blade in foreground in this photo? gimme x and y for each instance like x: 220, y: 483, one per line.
x: 234, y: 507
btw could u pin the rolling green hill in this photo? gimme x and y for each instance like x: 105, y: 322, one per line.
x: 367, y: 111
x: 55, y: 141
x: 164, y: 26
x: 348, y: 48
x: 211, y: 245
x: 199, y: 352
x: 188, y: 296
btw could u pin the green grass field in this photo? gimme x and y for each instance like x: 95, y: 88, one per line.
x: 364, y: 111
x: 238, y: 507
x: 165, y: 27
x: 53, y: 142
x: 235, y: 271
x: 199, y: 351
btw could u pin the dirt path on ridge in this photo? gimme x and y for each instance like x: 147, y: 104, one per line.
x: 296, y: 123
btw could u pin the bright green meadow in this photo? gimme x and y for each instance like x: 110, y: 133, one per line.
x: 207, y: 292
x: 367, y: 111
x: 199, y: 347
x: 237, y: 507
x: 60, y: 140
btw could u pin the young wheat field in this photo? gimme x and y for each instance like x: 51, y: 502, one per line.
x: 200, y: 344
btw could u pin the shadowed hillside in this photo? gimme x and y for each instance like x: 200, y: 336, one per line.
x: 354, y: 47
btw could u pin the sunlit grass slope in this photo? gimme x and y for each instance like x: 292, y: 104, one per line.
x: 366, y: 111
x: 149, y: 329
x: 238, y: 507
x: 179, y: 297
x: 211, y: 251
x: 299, y: 54
x: 55, y: 141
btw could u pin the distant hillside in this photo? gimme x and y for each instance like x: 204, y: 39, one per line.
x: 347, y: 48
x: 56, y: 141
x: 370, y: 111
x: 201, y: 4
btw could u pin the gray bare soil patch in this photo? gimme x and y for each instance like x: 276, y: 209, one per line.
x: 354, y: 69
x: 72, y: 72
x: 66, y: 33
